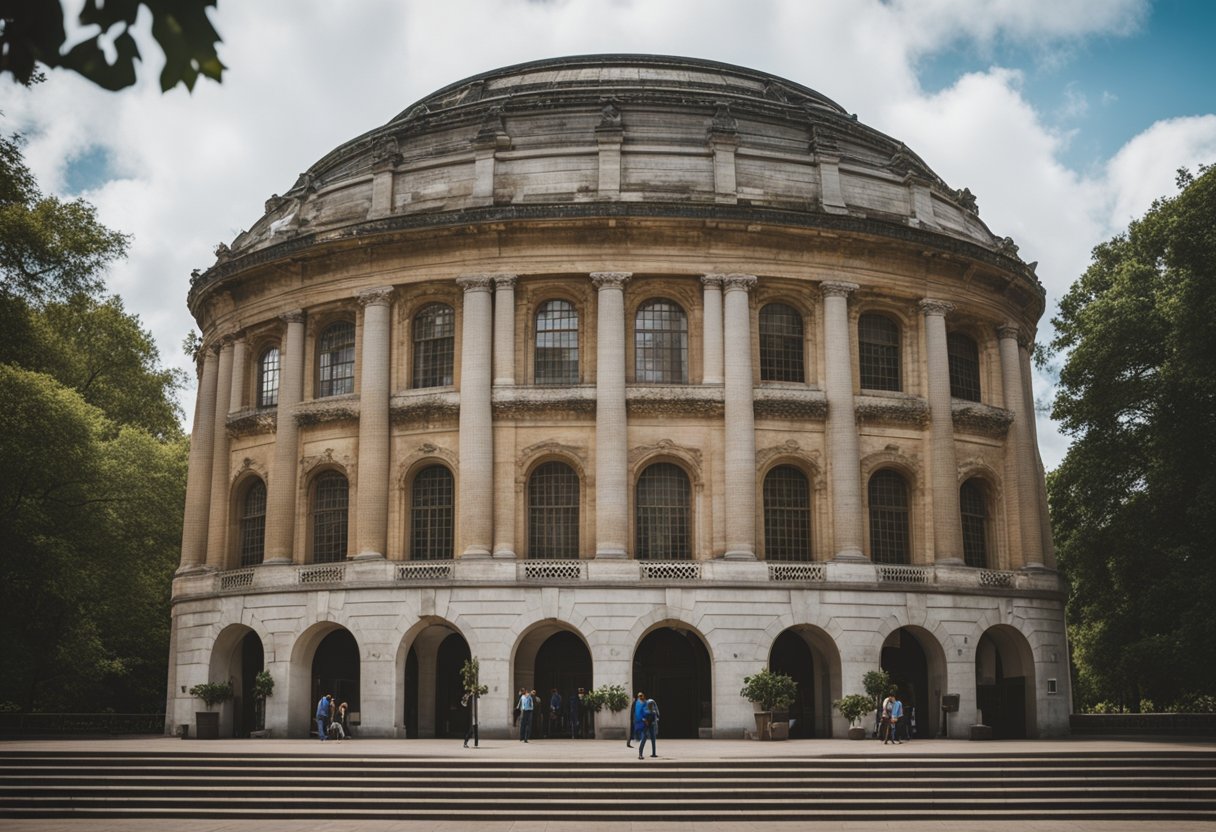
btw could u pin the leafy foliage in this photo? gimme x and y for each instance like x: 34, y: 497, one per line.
x: 854, y: 706
x: 470, y: 673
x: 263, y: 684
x: 33, y: 33
x: 772, y: 691
x: 613, y: 697
x: 878, y: 683
x: 1134, y: 501
x: 212, y: 693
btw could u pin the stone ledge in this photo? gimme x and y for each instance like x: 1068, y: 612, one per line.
x: 508, y: 401
x: 983, y: 419
x: 426, y: 405
x: 330, y: 409
x: 675, y: 400
x: 802, y: 404
x: 897, y: 409
x: 252, y: 421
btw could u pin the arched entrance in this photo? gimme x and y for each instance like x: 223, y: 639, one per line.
x: 809, y: 657
x: 917, y: 665
x: 432, y: 685
x: 548, y: 656
x: 237, y: 658
x: 672, y: 666
x: 1004, y: 683
x: 335, y: 670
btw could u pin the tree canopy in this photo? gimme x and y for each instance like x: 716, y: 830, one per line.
x: 33, y: 32
x: 1134, y: 501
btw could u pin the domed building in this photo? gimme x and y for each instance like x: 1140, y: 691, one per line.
x: 618, y: 369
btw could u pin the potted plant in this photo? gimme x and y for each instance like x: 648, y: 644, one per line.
x: 853, y: 707
x: 768, y: 691
x: 263, y: 686
x: 877, y: 684
x: 470, y: 682
x: 207, y: 723
x: 615, y: 699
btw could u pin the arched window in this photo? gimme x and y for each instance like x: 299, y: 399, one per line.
x: 973, y: 505
x: 964, y: 358
x: 268, y: 378
x: 336, y: 360
x: 787, y: 514
x: 557, y: 343
x: 434, y: 345
x: 330, y: 501
x: 553, y: 511
x: 660, y: 343
x: 878, y: 352
x: 253, y: 524
x: 781, y: 344
x: 432, y: 525
x: 662, y: 517
x: 889, y: 538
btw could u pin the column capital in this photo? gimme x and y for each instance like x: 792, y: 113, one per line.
x: 1009, y: 329
x: 610, y: 280
x: 230, y: 338
x: 293, y: 316
x: 714, y: 280
x: 837, y: 288
x: 504, y: 281
x: 475, y: 282
x: 218, y: 344
x: 929, y: 306
x: 380, y: 296
x: 738, y: 282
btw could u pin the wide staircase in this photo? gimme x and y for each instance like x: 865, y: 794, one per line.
x: 1148, y: 786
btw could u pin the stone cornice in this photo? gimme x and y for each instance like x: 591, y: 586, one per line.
x: 893, y: 410
x: 800, y: 404
x: 982, y: 419
x: 251, y: 421
x: 674, y: 400
x: 519, y: 400
x: 427, y: 405
x: 331, y: 409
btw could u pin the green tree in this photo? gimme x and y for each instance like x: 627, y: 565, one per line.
x: 1134, y: 501
x: 33, y: 32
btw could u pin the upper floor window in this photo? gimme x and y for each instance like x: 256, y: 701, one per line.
x: 878, y: 353
x: 787, y: 515
x: 434, y: 345
x: 661, y: 343
x: 253, y: 524
x: 889, y: 537
x: 662, y: 516
x: 557, y: 343
x: 553, y: 511
x: 973, y: 505
x: 781, y: 344
x: 268, y: 378
x: 964, y: 357
x: 336, y: 360
x: 330, y: 502
x: 432, y: 502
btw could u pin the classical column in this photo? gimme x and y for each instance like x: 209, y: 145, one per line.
x: 281, y: 489
x: 217, y: 525
x: 711, y: 330
x: 1043, y: 517
x: 476, y: 426
x: 504, y: 328
x: 844, y: 462
x: 740, y: 420
x: 371, y: 523
x: 240, y: 357
x: 611, y: 451
x: 198, y: 477
x: 943, y: 467
x: 1019, y: 444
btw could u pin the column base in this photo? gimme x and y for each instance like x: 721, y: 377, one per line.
x: 1036, y: 567
x: 193, y: 569
x: 611, y: 553
x: 948, y: 561
x: 279, y: 561
x: 504, y: 553
x: 476, y: 553
x: 739, y: 554
x: 368, y: 556
x: 850, y: 555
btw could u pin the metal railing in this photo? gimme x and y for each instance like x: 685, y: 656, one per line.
x: 36, y: 724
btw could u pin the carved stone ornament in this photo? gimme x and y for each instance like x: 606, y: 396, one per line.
x: 724, y: 121
x: 935, y: 307
x: 249, y: 464
x: 475, y: 282
x: 577, y: 453
x: 386, y: 151
x: 966, y: 201
x: 251, y: 421
x: 738, y: 282
x: 904, y: 410
x: 674, y: 400
x: 424, y: 407
x: 305, y: 182
x: 222, y: 252
x: 327, y: 457
x: 610, y: 280
x: 504, y: 281
x: 553, y: 401
x: 323, y: 411
x: 492, y: 126
x: 425, y: 451
x: 776, y: 92
x: 983, y: 419
x: 610, y: 115
x: 802, y: 405
x: 380, y: 296
x: 822, y: 141
x: 788, y: 448
x: 1007, y: 247
x: 293, y: 316
x: 712, y: 280
x: 837, y: 288
x: 1009, y: 330
x: 666, y: 446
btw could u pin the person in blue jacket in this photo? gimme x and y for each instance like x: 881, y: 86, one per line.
x: 324, y: 709
x: 636, y: 721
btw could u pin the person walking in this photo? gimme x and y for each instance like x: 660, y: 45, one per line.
x: 575, y: 713
x: 885, y: 725
x: 555, y: 713
x: 526, y: 706
x: 650, y: 728
x: 323, y: 710
x: 897, y: 716
x: 636, y: 722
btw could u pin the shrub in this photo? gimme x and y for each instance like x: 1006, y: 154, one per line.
x: 854, y: 706
x: 772, y: 691
x: 212, y: 693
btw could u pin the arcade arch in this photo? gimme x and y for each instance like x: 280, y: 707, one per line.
x: 671, y: 664
x: 237, y: 657
x: 917, y: 664
x: 1005, y: 683
x: 809, y: 656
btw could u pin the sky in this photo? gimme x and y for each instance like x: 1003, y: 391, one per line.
x: 1066, y: 118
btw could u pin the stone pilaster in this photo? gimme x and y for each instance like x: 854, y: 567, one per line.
x: 371, y: 510
x: 844, y: 456
x: 217, y: 517
x: 1018, y: 445
x: 476, y: 427
x: 281, y: 488
x: 611, y: 451
x: 943, y: 467
x: 198, y: 477
x: 711, y: 329
x: 504, y: 328
x: 504, y: 374
x: 240, y: 360
x: 740, y: 424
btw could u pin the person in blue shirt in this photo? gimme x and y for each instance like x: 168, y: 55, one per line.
x: 526, y: 706
x: 324, y: 708
x: 897, y: 715
x: 650, y: 728
x: 555, y: 713
x: 637, y: 721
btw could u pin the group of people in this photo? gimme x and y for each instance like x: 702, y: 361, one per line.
x: 562, y: 715
x: 644, y: 725
x: 892, y: 722
x: 332, y: 722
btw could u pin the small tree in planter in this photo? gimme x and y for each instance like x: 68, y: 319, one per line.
x: 612, y: 697
x: 853, y: 707
x: 470, y: 682
x: 207, y: 723
x: 877, y: 684
x: 768, y: 691
x: 263, y: 686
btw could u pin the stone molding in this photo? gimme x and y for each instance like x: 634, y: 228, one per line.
x: 475, y: 282
x: 837, y: 288
x: 425, y: 405
x: 790, y: 403
x: 293, y: 316
x: 521, y: 400
x: 251, y: 421
x: 983, y: 419
x: 327, y: 458
x: 665, y: 447
x: 380, y: 296
x: 427, y: 451
x: 574, y: 454
x: 674, y: 400
x: 610, y: 280
x: 330, y: 409
x: 929, y: 306
x: 901, y: 410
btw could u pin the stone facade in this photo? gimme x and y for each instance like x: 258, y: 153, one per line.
x: 630, y: 276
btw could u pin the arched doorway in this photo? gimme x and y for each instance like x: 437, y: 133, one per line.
x: 918, y: 668
x: 672, y: 666
x: 237, y: 658
x: 809, y: 657
x: 548, y: 656
x: 335, y: 670
x: 1004, y: 683
x: 431, y: 683
x: 451, y: 718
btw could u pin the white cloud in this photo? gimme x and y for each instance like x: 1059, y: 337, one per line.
x: 306, y: 75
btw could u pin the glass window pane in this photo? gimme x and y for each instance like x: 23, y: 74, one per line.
x: 787, y: 515
x: 557, y: 343
x: 268, y: 378
x: 329, y: 518
x: 434, y: 346
x: 878, y: 353
x: 973, y: 505
x: 553, y: 512
x: 781, y: 344
x: 964, y: 357
x: 889, y: 538
x: 432, y: 502
x: 336, y: 360
x: 661, y: 344
x: 253, y: 524
x: 662, y: 514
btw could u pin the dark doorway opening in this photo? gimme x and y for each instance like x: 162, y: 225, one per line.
x: 244, y: 709
x: 1001, y: 685
x: 792, y: 656
x: 411, y: 694
x: 335, y: 670
x: 451, y: 718
x: 904, y: 658
x: 672, y: 667
x: 562, y: 662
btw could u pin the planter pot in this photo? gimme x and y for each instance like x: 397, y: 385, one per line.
x: 610, y: 732
x: 780, y: 730
x: 857, y: 733
x: 207, y: 725
x: 763, y: 720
